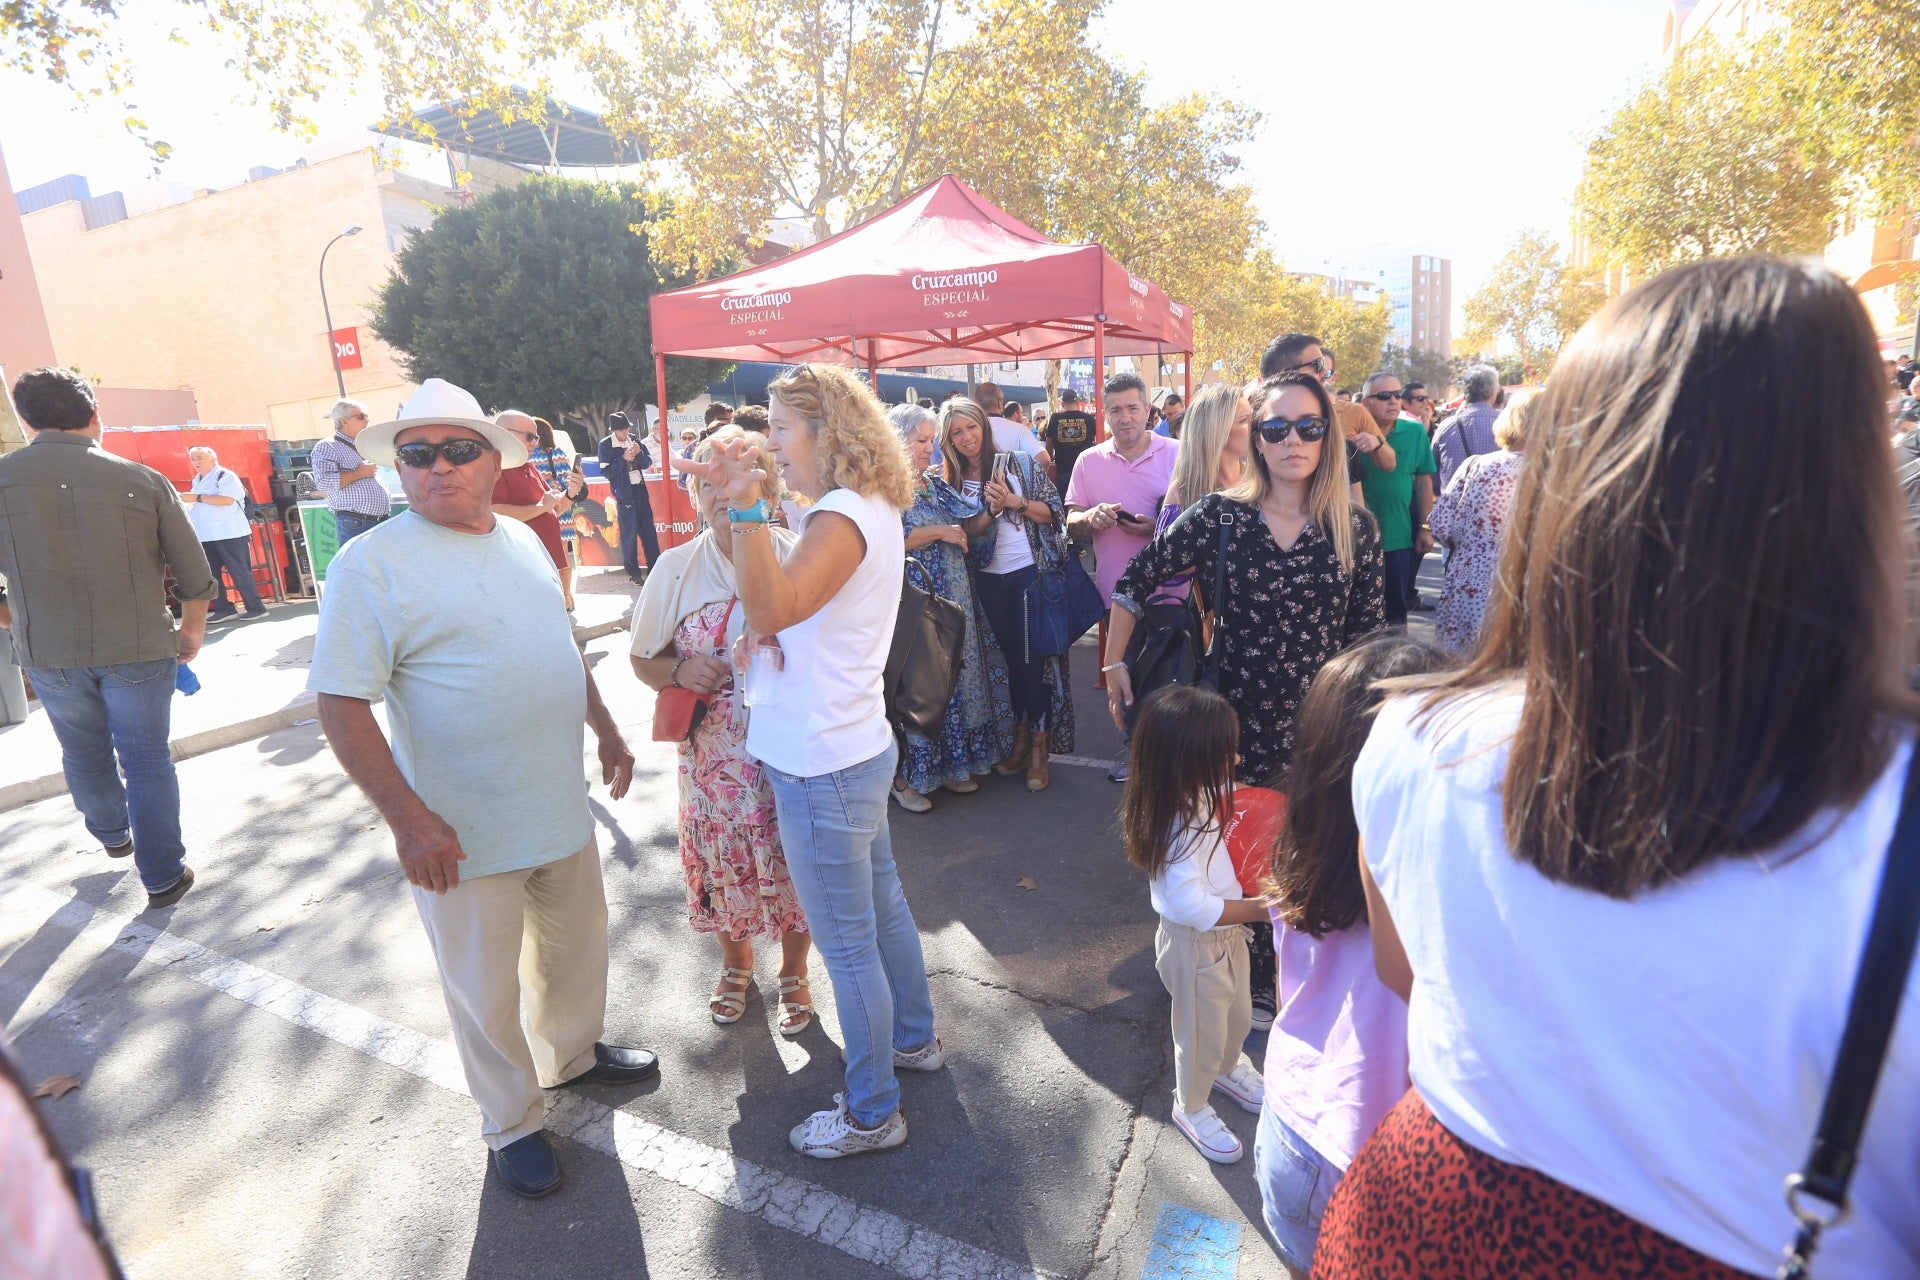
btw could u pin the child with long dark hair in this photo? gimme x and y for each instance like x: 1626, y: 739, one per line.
x: 1179, y: 797
x: 1337, y: 1054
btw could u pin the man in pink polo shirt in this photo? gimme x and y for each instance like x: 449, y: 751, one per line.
x: 1117, y: 488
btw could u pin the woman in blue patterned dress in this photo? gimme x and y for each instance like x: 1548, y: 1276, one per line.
x: 555, y: 468
x: 978, y: 729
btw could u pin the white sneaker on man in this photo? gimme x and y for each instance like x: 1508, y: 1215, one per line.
x: 1205, y: 1131
x: 828, y: 1135
x: 1244, y: 1085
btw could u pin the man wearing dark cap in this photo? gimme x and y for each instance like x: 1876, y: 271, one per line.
x: 1068, y: 434
x: 624, y: 461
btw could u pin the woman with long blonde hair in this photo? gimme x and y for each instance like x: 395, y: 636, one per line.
x: 819, y: 624
x: 1303, y: 571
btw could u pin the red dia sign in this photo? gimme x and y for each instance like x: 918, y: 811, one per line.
x: 346, y: 348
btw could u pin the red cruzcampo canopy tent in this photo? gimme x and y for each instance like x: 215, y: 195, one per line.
x: 943, y: 277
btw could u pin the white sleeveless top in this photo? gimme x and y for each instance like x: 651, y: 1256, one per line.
x: 828, y: 711
x: 1666, y: 1055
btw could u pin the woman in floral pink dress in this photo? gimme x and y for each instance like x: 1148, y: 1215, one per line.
x: 1467, y: 520
x: 738, y: 889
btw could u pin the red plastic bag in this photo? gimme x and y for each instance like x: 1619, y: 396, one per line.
x: 1257, y: 815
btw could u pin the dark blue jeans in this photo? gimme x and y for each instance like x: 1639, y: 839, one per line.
x: 235, y: 556
x: 349, y: 525
x: 636, y: 520
x: 99, y: 713
x: 1402, y: 566
x: 1003, y: 597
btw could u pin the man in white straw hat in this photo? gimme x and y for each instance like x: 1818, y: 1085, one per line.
x: 431, y: 611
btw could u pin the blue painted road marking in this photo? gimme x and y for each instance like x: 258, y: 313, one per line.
x: 1190, y: 1245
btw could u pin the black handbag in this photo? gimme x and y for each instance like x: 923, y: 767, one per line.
x: 1878, y: 987
x: 1166, y: 648
x: 923, y: 662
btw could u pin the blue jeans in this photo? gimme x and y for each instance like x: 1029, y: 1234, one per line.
x: 1003, y: 599
x: 124, y: 710
x: 1296, y: 1182
x: 348, y: 525
x: 235, y: 557
x: 840, y: 855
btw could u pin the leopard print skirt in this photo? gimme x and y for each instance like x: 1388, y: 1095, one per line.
x: 1419, y: 1203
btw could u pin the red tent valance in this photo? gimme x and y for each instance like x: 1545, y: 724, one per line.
x: 944, y: 277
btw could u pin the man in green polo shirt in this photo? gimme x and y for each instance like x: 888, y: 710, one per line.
x: 1399, y: 497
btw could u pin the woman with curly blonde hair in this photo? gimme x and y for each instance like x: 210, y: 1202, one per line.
x: 818, y: 724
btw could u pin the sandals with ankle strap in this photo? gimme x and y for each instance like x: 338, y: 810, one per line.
x: 732, y: 1003
x: 790, y: 1009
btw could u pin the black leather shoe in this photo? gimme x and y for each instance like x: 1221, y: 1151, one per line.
x: 529, y: 1167
x: 615, y: 1065
x: 122, y: 850
x: 167, y: 897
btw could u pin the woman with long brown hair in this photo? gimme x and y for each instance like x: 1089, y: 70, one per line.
x: 1652, y: 814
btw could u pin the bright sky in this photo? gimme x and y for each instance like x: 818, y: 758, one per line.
x: 1441, y: 128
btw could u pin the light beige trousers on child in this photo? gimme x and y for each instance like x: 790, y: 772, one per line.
x: 1207, y: 973
x: 541, y: 932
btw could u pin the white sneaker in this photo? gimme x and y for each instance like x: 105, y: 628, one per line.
x: 1244, y: 1085
x: 1263, y: 1015
x: 1204, y: 1131
x: 929, y: 1057
x: 828, y: 1135
x: 910, y: 800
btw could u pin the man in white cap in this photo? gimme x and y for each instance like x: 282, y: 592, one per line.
x: 436, y: 611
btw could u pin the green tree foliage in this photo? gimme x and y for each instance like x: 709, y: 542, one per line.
x: 1859, y: 92
x: 1416, y: 364
x: 1266, y: 301
x: 1722, y: 153
x: 1533, y: 300
x: 535, y: 297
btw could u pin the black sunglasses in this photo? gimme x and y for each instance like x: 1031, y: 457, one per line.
x: 1310, y: 428
x: 1417, y: 399
x: 458, y: 452
x: 1384, y: 396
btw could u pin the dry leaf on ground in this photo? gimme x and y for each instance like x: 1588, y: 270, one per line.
x: 1026, y: 882
x: 55, y: 1087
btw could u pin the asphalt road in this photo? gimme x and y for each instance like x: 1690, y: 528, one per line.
x: 267, y: 1086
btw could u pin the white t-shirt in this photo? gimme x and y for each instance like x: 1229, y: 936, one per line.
x: 466, y: 637
x: 1011, y: 548
x: 1666, y: 1055
x: 218, y: 523
x: 828, y: 708
x: 1193, y: 887
x: 1011, y: 437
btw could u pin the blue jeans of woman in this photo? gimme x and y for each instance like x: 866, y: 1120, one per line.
x: 1296, y: 1182
x: 1003, y: 597
x: 124, y: 711
x: 840, y: 855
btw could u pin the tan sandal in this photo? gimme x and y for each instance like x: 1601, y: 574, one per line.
x: 791, y: 1009
x: 732, y: 1003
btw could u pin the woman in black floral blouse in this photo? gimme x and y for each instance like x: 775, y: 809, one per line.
x: 1304, y: 571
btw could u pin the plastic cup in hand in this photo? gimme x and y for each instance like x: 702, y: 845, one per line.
x: 763, y: 669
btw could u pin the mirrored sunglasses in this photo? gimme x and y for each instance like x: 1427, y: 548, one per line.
x: 421, y: 456
x: 1310, y: 428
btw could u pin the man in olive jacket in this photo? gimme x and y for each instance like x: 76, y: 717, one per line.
x: 86, y: 541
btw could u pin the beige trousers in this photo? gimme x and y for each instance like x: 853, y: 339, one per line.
x: 1206, y: 972
x: 541, y: 932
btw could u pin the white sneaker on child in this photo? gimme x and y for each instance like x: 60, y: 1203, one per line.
x: 1205, y: 1131
x: 1244, y: 1085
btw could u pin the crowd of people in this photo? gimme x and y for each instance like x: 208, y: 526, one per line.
x: 1553, y: 921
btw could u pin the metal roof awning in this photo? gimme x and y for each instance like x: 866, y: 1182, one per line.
x: 562, y: 137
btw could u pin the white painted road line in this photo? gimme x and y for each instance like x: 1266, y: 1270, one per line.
x: 1085, y: 762
x: 792, y: 1204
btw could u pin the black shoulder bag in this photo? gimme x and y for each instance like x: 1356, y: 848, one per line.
x: 1877, y: 990
x: 1166, y: 649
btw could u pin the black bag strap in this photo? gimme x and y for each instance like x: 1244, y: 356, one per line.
x: 1219, y: 601
x: 1878, y: 987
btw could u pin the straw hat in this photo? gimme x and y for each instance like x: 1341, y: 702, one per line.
x: 438, y: 403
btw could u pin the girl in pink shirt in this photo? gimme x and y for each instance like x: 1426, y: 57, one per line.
x: 1337, y: 1054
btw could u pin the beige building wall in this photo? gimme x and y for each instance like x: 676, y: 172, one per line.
x: 220, y: 294
x: 25, y: 340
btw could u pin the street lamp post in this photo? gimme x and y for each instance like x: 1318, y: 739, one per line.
x: 333, y: 351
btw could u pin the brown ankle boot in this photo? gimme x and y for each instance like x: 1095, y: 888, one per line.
x: 1015, y: 760
x: 1037, y: 764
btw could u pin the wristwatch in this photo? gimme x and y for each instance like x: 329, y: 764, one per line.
x: 758, y: 513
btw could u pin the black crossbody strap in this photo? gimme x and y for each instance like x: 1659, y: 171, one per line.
x: 1878, y: 987
x: 1219, y: 601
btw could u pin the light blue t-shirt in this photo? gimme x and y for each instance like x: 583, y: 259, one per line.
x: 466, y: 637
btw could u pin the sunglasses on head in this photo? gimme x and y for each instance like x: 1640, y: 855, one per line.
x: 1310, y: 428
x: 421, y: 456
x: 1383, y: 396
